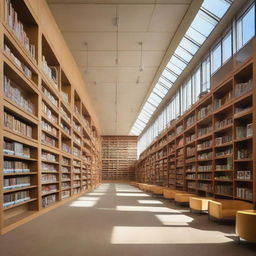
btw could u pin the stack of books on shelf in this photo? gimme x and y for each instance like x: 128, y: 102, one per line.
x: 63, y: 111
x: 224, y: 189
x: 244, y: 153
x: 244, y: 131
x: 50, y: 71
x: 48, y: 140
x: 204, y: 130
x: 49, y: 96
x: 227, y: 166
x: 222, y: 123
x: 179, y: 129
x: 15, y: 167
x: 244, y: 193
x: 48, y: 200
x: 17, y: 126
x: 49, y: 113
x: 221, y: 101
x: 48, y: 177
x: 48, y: 157
x: 17, y: 95
x: 225, y: 152
x: 48, y: 167
x: 16, y: 182
x: 17, y: 149
x: 205, y: 156
x: 65, y: 128
x: 11, y: 199
x: 223, y: 139
x: 203, y: 168
x: 66, y: 147
x: 244, y: 175
x: 64, y: 96
x: 204, y: 144
x: 243, y: 88
x: 190, y: 121
x: 204, y: 111
x: 49, y: 188
x: 26, y: 71
x: 48, y: 127
x: 65, y: 194
x: 17, y: 27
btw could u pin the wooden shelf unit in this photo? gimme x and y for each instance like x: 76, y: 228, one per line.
x: 212, y: 147
x: 51, y: 150
x: 119, y: 154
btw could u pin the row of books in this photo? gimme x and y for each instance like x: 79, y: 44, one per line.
x: 25, y: 70
x: 223, y: 139
x: 48, y: 177
x: 65, y: 194
x: 11, y: 199
x: 221, y: 167
x: 65, y: 161
x: 48, y: 127
x: 190, y: 138
x: 48, y: 156
x: 244, y: 193
x: 78, y: 127
x: 222, y: 123
x: 225, y: 152
x: 50, y: 71
x: 204, y: 176
x: 16, y: 182
x: 48, y: 140
x: 244, y: 153
x: 64, y: 127
x: 49, y: 188
x: 218, y: 102
x: 65, y: 96
x: 77, y: 140
x: 65, y: 147
x: 244, y: 131
x: 17, y: 95
x: 203, y: 168
x: 65, y: 169
x: 17, y: 27
x: 205, y: 156
x: 50, y: 96
x: 204, y: 144
x: 224, y: 189
x: 191, y: 168
x: 48, y: 200
x: 191, y: 120
x: 17, y: 126
x: 244, y: 175
x: 15, y: 167
x: 204, y: 130
x: 190, y: 151
x: 65, y: 176
x: 242, y: 88
x: 49, y: 113
x: 48, y: 167
x: 65, y: 114
x: 76, y: 152
x: 204, y: 111
x: 179, y: 129
x: 17, y: 149
x: 205, y: 186
x: 76, y: 170
x: 191, y: 176
x: 223, y: 177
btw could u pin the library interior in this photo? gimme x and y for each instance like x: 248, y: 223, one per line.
x: 127, y: 127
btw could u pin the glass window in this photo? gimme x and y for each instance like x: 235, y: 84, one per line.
x: 216, y: 7
x: 183, y: 54
x: 196, y: 88
x: 177, y: 62
x: 203, y: 23
x: 216, y: 58
x: 245, y: 27
x: 248, y: 25
x: 195, y: 35
x: 227, y: 47
x: 165, y: 82
x: 206, y: 74
x: 168, y: 75
x: 149, y: 107
x: 174, y: 68
x: 189, y: 45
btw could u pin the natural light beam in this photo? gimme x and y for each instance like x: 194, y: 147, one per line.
x: 149, y: 202
x: 132, y: 194
x: 144, y: 209
x: 174, y: 219
x: 83, y: 204
x: 166, y: 235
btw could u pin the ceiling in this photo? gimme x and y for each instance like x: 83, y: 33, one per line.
x: 118, y: 89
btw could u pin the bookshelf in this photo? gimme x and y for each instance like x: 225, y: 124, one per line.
x: 51, y: 148
x: 211, y: 147
x: 119, y: 154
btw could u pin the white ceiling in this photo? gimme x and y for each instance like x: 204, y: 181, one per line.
x: 116, y: 96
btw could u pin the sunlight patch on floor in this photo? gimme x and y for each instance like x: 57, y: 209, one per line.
x: 174, y: 219
x: 132, y: 194
x: 144, y: 209
x: 83, y: 204
x: 166, y: 235
x: 149, y: 202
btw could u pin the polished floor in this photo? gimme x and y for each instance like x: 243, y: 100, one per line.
x: 118, y: 219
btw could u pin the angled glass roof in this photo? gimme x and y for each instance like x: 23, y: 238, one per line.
x: 206, y: 19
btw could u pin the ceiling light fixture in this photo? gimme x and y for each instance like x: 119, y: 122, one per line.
x: 86, y: 68
x: 138, y: 80
x: 141, y: 68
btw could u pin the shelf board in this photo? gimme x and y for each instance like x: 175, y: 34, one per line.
x: 19, y: 189
x: 16, y: 205
x: 20, y: 174
x: 20, y: 157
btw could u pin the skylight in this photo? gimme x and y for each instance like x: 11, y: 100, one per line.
x: 206, y: 19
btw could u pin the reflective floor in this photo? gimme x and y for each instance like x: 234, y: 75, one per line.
x: 118, y: 219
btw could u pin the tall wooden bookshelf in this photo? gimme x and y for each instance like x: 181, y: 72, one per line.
x: 119, y: 154
x: 51, y: 149
x: 211, y: 149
